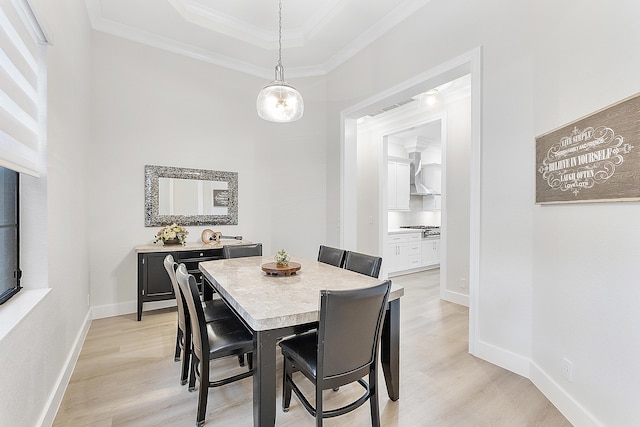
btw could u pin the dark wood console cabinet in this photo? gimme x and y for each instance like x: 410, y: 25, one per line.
x: 153, y: 281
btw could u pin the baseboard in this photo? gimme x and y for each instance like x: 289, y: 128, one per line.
x: 455, y: 297
x: 111, y: 310
x: 55, y: 399
x: 572, y: 410
x: 505, y: 359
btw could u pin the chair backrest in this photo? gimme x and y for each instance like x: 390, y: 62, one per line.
x: 183, y: 315
x: 240, y: 251
x: 363, y: 264
x: 349, y: 329
x: 333, y: 256
x: 189, y: 288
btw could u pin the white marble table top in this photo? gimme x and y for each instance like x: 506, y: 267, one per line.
x: 269, y: 302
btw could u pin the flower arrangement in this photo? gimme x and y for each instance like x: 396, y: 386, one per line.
x: 173, y: 233
x: 282, y: 258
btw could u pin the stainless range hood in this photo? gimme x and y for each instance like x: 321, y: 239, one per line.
x: 416, y: 187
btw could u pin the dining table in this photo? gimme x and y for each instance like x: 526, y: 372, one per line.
x: 275, y: 306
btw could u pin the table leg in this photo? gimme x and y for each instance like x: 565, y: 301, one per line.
x: 264, y: 379
x: 207, y: 290
x: 390, y: 349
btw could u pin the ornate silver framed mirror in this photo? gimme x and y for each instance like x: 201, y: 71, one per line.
x: 189, y: 196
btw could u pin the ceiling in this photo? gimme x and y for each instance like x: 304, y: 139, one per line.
x: 317, y: 36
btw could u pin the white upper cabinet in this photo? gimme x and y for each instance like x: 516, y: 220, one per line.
x: 432, y: 177
x: 398, y: 185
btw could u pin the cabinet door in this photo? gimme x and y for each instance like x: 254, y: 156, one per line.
x: 391, y: 186
x: 430, y: 252
x: 398, y: 194
x: 155, y: 280
x: 396, y: 256
x: 432, y: 177
x: 391, y: 257
x: 436, y: 251
x: 402, y: 186
x: 432, y: 202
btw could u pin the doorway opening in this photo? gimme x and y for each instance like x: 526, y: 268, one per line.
x: 353, y: 121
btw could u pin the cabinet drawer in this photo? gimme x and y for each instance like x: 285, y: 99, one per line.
x: 415, y: 248
x: 415, y: 261
x: 404, y: 238
x: 198, y: 255
x: 397, y: 238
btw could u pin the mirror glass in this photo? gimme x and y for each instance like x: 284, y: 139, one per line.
x: 190, y: 196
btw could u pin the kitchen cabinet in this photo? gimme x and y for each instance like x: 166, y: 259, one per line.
x: 432, y: 177
x: 430, y: 252
x: 432, y: 202
x: 403, y: 252
x: 398, y: 184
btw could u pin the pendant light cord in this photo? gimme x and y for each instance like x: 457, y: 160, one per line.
x: 280, y: 34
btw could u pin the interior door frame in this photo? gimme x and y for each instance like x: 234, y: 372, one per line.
x: 467, y: 63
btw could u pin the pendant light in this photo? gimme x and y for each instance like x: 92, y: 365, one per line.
x: 278, y: 101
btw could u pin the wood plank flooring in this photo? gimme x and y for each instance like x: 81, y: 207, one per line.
x: 126, y: 376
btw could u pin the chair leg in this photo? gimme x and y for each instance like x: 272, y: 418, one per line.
x: 318, y: 406
x: 286, y: 385
x: 186, y: 359
x: 373, y: 398
x: 192, y: 373
x: 203, y: 393
x: 250, y: 360
x: 176, y: 357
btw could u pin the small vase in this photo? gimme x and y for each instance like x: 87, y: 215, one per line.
x: 172, y: 242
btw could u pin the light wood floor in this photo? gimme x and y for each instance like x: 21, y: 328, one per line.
x: 126, y: 376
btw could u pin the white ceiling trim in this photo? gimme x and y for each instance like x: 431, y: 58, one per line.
x: 244, y: 32
x: 214, y: 20
x: 99, y: 23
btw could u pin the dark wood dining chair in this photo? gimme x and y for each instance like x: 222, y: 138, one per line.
x: 240, y: 251
x: 332, y: 256
x: 362, y: 263
x: 211, y: 340
x: 343, y: 350
x: 214, y: 309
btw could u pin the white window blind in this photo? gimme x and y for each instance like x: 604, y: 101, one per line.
x: 22, y: 82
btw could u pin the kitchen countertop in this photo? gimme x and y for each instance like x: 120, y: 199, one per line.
x: 403, y: 231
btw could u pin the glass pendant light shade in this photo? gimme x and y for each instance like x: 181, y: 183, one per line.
x: 278, y: 101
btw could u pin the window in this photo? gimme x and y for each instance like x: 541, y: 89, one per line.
x: 22, y: 97
x: 9, y: 235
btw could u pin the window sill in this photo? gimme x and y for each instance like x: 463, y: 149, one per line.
x: 18, y: 307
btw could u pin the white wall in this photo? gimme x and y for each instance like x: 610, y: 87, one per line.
x: 35, y: 355
x: 555, y: 281
x: 151, y: 106
x: 585, y: 269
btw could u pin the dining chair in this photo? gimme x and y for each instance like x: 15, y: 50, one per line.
x: 332, y: 256
x: 214, y: 309
x: 239, y: 251
x: 343, y: 350
x: 211, y: 340
x: 363, y: 264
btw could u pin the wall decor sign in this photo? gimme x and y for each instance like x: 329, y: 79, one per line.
x: 593, y: 159
x: 221, y: 198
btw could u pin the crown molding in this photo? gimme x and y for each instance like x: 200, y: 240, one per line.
x: 199, y: 14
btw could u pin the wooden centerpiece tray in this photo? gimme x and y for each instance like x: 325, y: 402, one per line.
x: 273, y: 269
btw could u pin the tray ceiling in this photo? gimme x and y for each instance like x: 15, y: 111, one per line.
x: 317, y: 36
